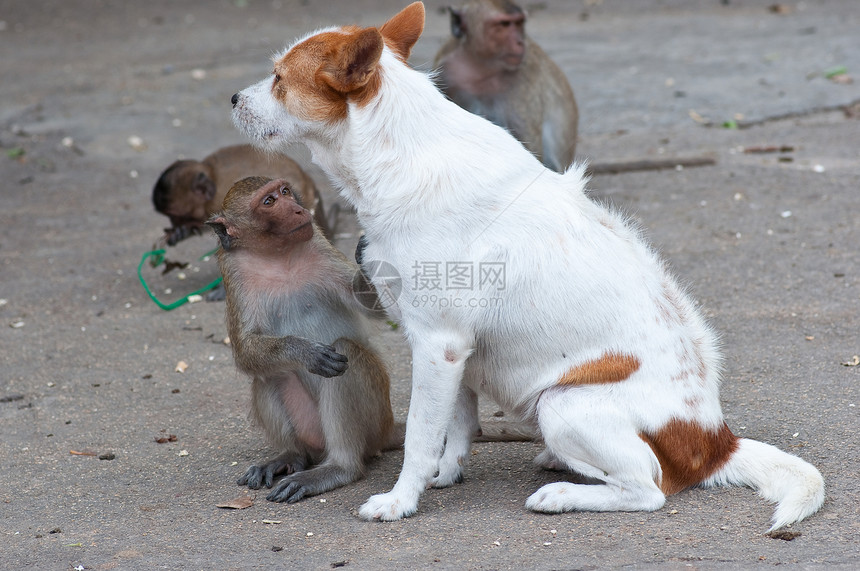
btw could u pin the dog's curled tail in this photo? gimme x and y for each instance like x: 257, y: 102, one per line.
x: 795, y: 485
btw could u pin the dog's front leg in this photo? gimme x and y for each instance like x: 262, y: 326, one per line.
x: 437, y: 371
x: 462, y: 428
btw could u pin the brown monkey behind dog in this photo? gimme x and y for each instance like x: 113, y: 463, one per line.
x: 189, y: 192
x: 293, y: 321
x: 490, y: 67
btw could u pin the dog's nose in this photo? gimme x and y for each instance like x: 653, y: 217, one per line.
x: 235, y: 99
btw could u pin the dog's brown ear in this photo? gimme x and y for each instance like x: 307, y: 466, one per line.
x: 355, y: 64
x: 402, y: 31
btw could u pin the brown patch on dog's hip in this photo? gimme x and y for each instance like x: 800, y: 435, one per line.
x: 609, y: 368
x: 689, y: 453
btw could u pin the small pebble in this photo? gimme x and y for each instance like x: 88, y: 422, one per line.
x: 136, y: 143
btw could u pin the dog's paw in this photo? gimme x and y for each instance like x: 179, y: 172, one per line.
x: 387, y: 507
x: 551, y: 498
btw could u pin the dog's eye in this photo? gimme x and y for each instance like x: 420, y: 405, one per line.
x: 277, y: 78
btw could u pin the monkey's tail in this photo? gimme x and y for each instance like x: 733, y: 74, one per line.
x: 505, y: 431
x: 492, y: 431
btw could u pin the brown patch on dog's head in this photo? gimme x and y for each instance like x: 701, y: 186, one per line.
x: 319, y: 76
x: 609, y: 368
x: 316, y: 78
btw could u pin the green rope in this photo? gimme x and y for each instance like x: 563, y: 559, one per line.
x: 159, y: 258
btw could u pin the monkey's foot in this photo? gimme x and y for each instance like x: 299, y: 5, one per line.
x: 258, y: 476
x: 388, y: 507
x: 312, y: 482
x: 288, y: 490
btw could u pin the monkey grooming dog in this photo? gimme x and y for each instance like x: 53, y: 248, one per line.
x: 589, y: 339
x: 493, y: 69
x: 293, y: 321
x: 189, y: 192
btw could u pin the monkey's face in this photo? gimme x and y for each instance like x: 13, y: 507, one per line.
x: 279, y: 217
x: 505, y: 39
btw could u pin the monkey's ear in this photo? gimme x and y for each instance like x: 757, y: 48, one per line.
x: 356, y: 63
x: 402, y: 31
x: 219, y: 225
x: 204, y: 187
x: 458, y: 26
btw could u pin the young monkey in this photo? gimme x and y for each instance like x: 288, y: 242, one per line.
x: 293, y: 322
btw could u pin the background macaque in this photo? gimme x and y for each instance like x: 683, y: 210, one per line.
x: 293, y: 322
x: 189, y: 192
x: 491, y: 68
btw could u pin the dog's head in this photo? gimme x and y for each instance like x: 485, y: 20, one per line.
x: 315, y: 81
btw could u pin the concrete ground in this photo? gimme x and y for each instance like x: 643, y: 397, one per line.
x: 99, y: 96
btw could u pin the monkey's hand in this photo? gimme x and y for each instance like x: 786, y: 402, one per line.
x: 180, y: 233
x: 217, y: 294
x: 257, y: 354
x: 359, y: 249
x: 325, y: 361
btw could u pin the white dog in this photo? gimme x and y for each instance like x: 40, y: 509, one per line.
x: 555, y: 307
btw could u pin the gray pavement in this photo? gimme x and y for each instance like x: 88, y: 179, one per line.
x: 768, y: 243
